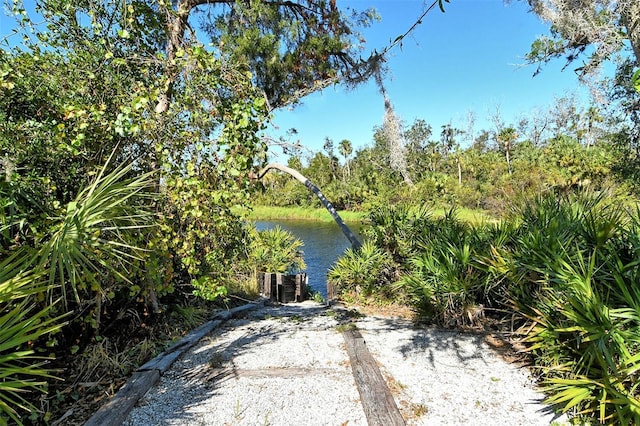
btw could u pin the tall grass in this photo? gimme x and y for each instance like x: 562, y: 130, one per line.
x: 321, y: 215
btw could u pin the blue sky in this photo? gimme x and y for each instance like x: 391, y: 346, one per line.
x: 467, y: 59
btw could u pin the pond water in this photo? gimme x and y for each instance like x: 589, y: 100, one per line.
x: 324, y: 243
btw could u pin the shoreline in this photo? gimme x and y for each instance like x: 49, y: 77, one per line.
x: 302, y: 213
x: 320, y: 214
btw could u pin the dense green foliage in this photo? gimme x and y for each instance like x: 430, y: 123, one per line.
x: 362, y: 271
x: 126, y: 146
x: 565, y: 149
x: 22, y: 323
x: 562, y: 268
x: 84, y: 259
x: 275, y: 250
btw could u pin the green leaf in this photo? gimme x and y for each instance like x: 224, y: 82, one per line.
x: 635, y: 80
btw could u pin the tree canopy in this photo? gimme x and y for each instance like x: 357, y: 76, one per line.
x: 179, y: 89
x: 596, y: 30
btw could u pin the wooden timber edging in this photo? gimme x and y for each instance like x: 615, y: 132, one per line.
x: 116, y: 410
x: 379, y: 406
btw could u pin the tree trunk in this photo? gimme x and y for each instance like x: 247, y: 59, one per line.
x: 631, y: 21
x: 9, y: 168
x: 177, y: 25
x: 355, y: 243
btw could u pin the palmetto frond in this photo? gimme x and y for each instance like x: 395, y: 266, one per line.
x: 92, y: 239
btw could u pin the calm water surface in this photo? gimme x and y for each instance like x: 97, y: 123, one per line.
x: 324, y: 243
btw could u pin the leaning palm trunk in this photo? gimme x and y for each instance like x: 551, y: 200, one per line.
x: 355, y: 243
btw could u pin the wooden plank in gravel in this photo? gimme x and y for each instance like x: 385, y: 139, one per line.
x: 163, y: 361
x: 117, y: 409
x: 225, y: 315
x: 277, y: 372
x: 114, y: 412
x: 377, y: 401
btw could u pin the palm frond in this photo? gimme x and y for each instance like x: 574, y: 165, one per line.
x: 89, y: 241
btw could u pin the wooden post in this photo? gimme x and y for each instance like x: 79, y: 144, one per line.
x: 283, y: 288
x: 301, y: 287
x: 266, y: 285
x: 330, y: 292
x: 115, y: 412
x: 279, y: 289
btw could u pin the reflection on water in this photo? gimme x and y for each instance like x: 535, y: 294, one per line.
x: 324, y: 243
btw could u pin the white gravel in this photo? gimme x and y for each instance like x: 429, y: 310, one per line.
x: 288, y: 365
x: 453, y: 378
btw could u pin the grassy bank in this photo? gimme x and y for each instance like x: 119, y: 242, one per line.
x: 471, y: 216
x: 322, y: 215
x: 301, y: 213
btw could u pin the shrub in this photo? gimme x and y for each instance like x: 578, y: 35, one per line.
x: 397, y: 230
x: 572, y: 270
x: 444, y: 280
x: 364, y: 271
x: 276, y: 250
x: 271, y: 250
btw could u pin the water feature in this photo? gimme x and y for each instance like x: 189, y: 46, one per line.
x: 324, y: 243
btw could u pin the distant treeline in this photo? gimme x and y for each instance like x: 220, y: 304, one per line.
x: 564, y: 150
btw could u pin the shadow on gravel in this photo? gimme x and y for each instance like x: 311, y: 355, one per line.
x: 412, y: 339
x: 210, y: 363
x: 430, y: 345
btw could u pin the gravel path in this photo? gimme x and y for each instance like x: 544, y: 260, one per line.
x: 288, y: 365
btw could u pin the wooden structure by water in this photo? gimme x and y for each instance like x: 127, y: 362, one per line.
x: 283, y: 288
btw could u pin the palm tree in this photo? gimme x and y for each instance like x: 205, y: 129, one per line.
x: 93, y: 238
x: 448, y: 138
x: 23, y: 320
x: 505, y: 138
x: 345, y: 149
